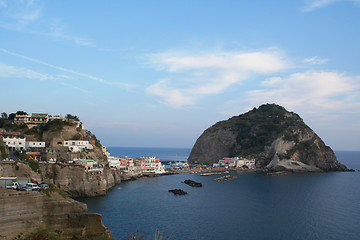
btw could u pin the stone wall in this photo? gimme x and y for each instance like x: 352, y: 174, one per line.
x: 24, y: 212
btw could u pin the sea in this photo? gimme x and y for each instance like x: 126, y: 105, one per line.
x: 253, y: 206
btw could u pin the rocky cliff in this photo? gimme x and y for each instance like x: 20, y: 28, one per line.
x: 72, y: 179
x: 24, y: 212
x: 275, y: 138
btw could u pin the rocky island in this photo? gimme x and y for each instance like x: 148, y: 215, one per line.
x: 277, y: 139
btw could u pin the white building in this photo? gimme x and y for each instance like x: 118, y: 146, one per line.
x: 105, y: 151
x: 35, y: 118
x: 249, y: 163
x: 150, y: 165
x: 14, y: 141
x: 78, y: 145
x: 114, y: 162
x: 30, y: 145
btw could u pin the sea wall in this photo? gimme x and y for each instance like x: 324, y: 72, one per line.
x: 24, y: 212
x: 72, y: 179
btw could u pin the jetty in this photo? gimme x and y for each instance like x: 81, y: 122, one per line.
x: 279, y: 173
x: 214, y: 173
x: 225, y: 178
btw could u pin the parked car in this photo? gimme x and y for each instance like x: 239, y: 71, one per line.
x: 25, y: 188
x: 43, y: 186
x: 33, y: 186
x: 14, y: 186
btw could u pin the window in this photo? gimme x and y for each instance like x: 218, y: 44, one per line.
x: 59, y: 143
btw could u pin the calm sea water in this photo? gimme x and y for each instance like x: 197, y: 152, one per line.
x: 253, y: 206
x: 165, y: 154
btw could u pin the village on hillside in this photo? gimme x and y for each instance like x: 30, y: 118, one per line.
x: 16, y: 147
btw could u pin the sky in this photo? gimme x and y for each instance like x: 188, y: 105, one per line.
x: 158, y: 73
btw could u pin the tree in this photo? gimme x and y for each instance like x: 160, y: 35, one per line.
x: 21, y: 113
x: 4, y: 115
x: 11, y: 116
x: 72, y: 117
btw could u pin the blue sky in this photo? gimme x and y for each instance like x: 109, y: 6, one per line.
x: 158, y: 73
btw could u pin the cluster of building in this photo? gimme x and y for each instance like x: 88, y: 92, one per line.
x: 236, y: 162
x: 58, y: 148
x: 35, y: 119
x: 17, y: 142
x: 131, y: 166
x: 36, y: 150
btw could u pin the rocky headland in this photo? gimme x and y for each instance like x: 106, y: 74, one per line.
x: 72, y: 179
x: 277, y: 139
x: 24, y: 212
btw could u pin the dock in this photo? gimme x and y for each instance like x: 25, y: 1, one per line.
x: 214, y: 173
x: 225, y: 178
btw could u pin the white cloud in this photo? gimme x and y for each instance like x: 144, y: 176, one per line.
x: 173, y: 97
x: 193, y: 75
x: 75, y: 87
x: 88, y: 76
x: 310, y: 91
x: 315, y: 60
x: 21, y: 12
x: 312, y: 5
x: 57, y: 31
x: 7, y: 71
x: 25, y: 16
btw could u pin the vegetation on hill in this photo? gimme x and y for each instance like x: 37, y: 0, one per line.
x: 260, y: 127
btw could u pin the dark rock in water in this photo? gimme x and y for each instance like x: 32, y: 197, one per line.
x: 193, y: 183
x: 178, y: 192
x: 275, y: 138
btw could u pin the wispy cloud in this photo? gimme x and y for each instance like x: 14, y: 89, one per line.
x: 23, y: 15
x: 310, y: 91
x: 131, y: 125
x: 192, y: 75
x: 88, y: 76
x: 7, y: 71
x: 57, y: 31
x: 315, y: 60
x: 75, y: 87
x: 312, y: 5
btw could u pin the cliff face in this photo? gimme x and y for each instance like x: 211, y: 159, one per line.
x: 72, y: 179
x: 275, y: 138
x: 24, y: 212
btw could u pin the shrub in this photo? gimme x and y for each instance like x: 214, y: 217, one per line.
x: 34, y: 165
x: 42, y: 234
x: 3, y: 152
x: 72, y: 117
x: 54, y: 188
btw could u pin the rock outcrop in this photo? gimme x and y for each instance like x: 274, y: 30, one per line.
x: 72, y: 179
x: 178, y: 191
x: 24, y: 212
x: 275, y: 138
x: 192, y: 183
